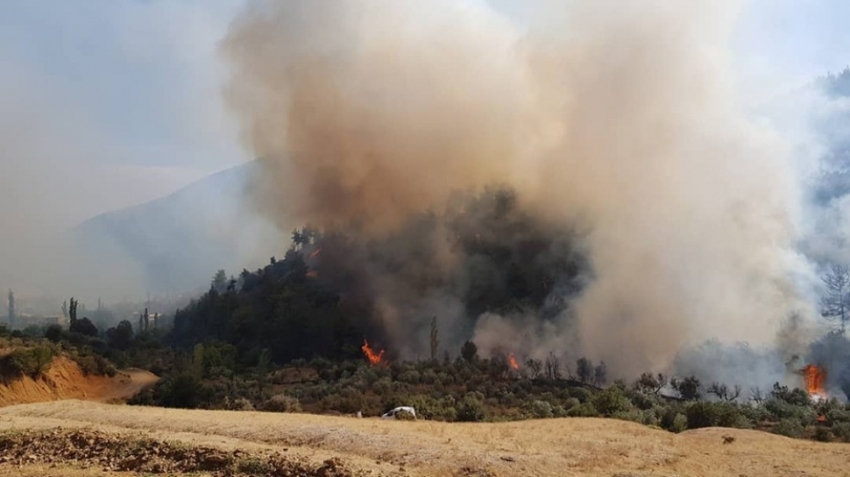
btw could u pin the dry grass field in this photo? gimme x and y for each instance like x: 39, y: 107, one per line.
x: 552, y: 447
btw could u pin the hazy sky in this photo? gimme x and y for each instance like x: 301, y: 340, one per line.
x: 128, y: 89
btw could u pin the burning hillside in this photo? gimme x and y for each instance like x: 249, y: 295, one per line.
x: 627, y: 170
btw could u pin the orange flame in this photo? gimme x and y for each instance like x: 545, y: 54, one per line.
x: 312, y: 274
x: 374, y: 358
x: 815, y: 377
x: 316, y: 253
x: 512, y: 361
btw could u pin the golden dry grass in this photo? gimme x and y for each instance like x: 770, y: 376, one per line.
x: 552, y: 447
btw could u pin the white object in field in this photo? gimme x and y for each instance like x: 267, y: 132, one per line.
x: 391, y: 414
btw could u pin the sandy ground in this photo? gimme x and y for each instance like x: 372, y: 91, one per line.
x: 552, y: 447
x: 65, y: 380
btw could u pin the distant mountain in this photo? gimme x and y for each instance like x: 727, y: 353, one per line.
x: 179, y: 241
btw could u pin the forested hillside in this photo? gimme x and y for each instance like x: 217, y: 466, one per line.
x: 320, y: 299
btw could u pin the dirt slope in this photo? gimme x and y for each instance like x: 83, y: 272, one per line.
x: 65, y: 380
x: 553, y: 447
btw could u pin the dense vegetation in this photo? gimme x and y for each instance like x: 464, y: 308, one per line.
x: 478, y: 389
x: 249, y: 343
x: 213, y: 375
x: 31, y: 356
x: 288, y: 337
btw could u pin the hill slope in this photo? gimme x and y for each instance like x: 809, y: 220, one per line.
x: 552, y: 447
x: 179, y: 241
x: 65, y: 380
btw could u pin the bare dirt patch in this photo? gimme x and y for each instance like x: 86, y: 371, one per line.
x: 66, y: 380
x: 87, y: 449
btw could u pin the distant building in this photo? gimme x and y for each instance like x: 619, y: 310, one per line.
x: 24, y: 320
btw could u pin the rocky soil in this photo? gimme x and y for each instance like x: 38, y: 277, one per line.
x: 88, y: 449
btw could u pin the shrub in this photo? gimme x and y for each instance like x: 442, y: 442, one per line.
x: 405, y: 416
x: 412, y: 376
x: 842, y: 431
x: 182, y: 391
x: 582, y: 394
x: 680, y: 423
x: 782, y: 409
x: 789, y: 428
x: 641, y: 400
x: 611, y: 401
x: 282, y: 403
x: 835, y: 413
x: 240, y: 404
x: 795, y: 396
x: 540, y: 409
x: 583, y: 410
x: 32, y: 362
x: 54, y: 333
x: 688, y: 388
x: 254, y: 466
x: 84, y: 327
x: 713, y: 414
x: 470, y: 409
x: 94, y: 365
x: 673, y: 420
x: 571, y: 403
x: 755, y: 414
x: 632, y: 416
x: 822, y: 434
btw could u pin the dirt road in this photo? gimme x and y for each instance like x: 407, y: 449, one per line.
x: 126, y: 384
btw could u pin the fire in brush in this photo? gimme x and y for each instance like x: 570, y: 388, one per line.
x: 512, y: 361
x: 373, y: 357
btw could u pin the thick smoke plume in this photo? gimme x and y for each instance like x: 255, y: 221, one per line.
x: 614, y: 127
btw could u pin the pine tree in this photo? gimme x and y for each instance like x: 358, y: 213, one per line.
x: 435, y: 342
x: 835, y: 305
x: 11, y: 309
x: 72, y: 311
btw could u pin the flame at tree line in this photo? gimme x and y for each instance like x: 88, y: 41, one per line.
x: 374, y: 358
x: 512, y: 361
x: 815, y: 377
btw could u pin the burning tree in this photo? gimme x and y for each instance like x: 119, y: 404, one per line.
x: 815, y: 378
x: 835, y: 305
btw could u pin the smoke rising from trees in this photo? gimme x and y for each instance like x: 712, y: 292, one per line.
x: 618, y: 122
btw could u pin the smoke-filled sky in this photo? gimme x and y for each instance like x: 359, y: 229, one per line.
x: 631, y: 121
x: 107, y: 104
